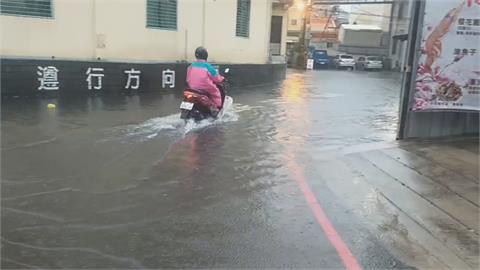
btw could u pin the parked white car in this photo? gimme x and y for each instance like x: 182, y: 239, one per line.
x: 369, y: 63
x: 344, y: 61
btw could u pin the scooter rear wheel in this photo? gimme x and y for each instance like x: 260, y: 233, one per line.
x: 184, y: 114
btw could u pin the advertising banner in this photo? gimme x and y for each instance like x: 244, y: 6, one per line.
x: 448, y: 75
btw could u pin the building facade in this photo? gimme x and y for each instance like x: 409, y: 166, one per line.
x: 234, y: 31
x: 85, y: 46
x: 278, y: 30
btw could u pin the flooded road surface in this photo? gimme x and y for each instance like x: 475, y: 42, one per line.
x: 122, y: 182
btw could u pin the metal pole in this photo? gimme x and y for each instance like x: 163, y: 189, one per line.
x: 303, y: 41
x: 408, y: 81
x: 308, y: 30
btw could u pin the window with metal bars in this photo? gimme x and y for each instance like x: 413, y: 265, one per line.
x: 30, y: 8
x: 243, y: 18
x: 162, y: 14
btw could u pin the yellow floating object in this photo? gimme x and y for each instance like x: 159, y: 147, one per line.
x: 51, y: 106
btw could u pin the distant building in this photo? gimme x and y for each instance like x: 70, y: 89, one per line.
x: 399, y: 36
x: 278, y: 30
x: 322, y: 31
x: 360, y: 35
x: 361, y: 39
x: 324, y: 27
x: 294, y: 26
x: 234, y: 31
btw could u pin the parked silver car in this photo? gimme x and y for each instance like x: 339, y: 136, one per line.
x: 344, y: 61
x: 369, y: 63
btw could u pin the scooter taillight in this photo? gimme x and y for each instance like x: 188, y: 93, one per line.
x: 192, y: 97
x: 188, y: 95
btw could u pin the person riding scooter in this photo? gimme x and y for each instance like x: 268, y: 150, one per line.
x: 203, y: 77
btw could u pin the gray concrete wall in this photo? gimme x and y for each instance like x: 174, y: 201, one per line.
x: 441, y: 124
x: 20, y: 76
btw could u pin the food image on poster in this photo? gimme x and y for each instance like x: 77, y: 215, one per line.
x: 448, y: 74
x: 449, y: 92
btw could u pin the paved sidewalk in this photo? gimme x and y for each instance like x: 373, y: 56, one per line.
x: 421, y: 197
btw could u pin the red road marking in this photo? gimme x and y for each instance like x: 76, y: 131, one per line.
x: 342, y: 249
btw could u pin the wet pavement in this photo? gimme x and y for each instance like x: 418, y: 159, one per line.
x: 121, y: 182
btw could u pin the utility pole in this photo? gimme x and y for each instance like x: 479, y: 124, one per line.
x: 304, y: 41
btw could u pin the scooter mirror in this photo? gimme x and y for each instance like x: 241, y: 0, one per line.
x: 227, y: 70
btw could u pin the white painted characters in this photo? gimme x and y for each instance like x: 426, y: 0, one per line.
x: 133, y: 75
x: 94, y: 78
x: 48, y: 77
x: 168, y: 78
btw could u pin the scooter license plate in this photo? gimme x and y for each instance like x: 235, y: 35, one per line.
x: 186, y: 106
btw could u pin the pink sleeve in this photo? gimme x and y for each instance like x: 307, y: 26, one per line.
x: 216, y: 79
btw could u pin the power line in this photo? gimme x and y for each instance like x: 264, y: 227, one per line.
x: 357, y: 13
x: 371, y: 14
x: 351, y: 2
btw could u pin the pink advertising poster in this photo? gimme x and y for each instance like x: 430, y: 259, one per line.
x: 448, y: 75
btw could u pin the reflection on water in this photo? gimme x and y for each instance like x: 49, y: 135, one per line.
x: 293, y: 89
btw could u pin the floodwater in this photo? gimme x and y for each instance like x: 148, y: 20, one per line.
x: 119, y: 181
